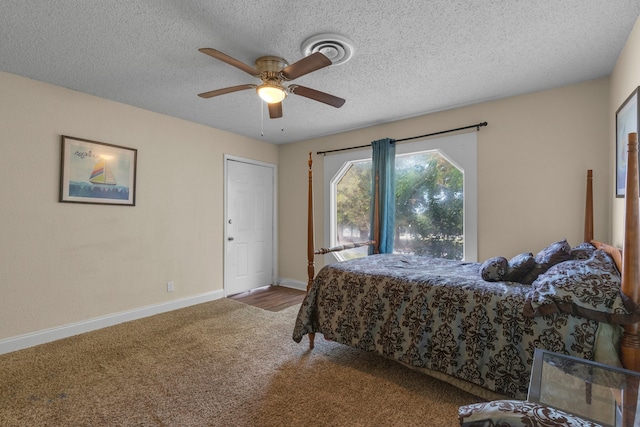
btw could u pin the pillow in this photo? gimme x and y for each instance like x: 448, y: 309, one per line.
x: 588, y: 288
x: 582, y: 251
x: 518, y: 266
x: 553, y: 254
x: 493, y: 269
x: 506, y: 413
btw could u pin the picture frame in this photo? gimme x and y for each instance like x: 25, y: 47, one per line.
x: 627, y: 118
x: 94, y: 172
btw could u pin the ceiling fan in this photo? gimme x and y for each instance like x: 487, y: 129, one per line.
x: 273, y: 71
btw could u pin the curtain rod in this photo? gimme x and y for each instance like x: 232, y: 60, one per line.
x: 477, y: 126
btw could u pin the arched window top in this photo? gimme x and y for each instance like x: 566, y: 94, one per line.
x: 436, y: 198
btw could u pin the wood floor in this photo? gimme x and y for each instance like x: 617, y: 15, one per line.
x: 272, y: 298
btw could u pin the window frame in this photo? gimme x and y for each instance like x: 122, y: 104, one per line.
x: 460, y: 150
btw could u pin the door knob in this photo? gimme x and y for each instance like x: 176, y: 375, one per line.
x: 229, y: 238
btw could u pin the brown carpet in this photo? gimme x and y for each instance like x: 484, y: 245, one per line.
x: 221, y: 363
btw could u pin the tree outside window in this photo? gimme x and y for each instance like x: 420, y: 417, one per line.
x: 429, y: 206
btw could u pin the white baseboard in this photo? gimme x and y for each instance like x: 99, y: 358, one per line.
x: 290, y: 283
x: 47, y: 335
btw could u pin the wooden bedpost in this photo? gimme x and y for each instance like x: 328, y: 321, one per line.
x: 630, y: 347
x: 310, y: 238
x: 588, y: 211
x: 628, y: 262
x: 311, y: 251
x: 310, y: 226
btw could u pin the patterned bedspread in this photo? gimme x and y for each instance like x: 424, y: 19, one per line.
x: 439, y: 314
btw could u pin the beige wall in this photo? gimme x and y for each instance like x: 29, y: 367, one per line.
x: 624, y: 79
x: 532, y: 163
x: 62, y: 263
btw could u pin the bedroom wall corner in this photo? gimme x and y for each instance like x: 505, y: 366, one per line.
x: 624, y: 79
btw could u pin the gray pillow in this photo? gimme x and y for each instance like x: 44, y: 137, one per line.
x: 493, y: 269
x: 553, y: 254
x: 589, y: 288
x: 519, y: 266
x: 582, y: 251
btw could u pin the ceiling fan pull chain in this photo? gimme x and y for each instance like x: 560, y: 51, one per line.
x: 261, y: 118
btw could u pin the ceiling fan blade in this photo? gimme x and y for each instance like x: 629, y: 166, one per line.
x: 275, y: 110
x: 218, y: 92
x: 316, y: 95
x: 306, y: 65
x: 229, y: 60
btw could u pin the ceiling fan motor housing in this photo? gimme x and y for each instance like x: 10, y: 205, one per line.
x: 271, y: 89
x: 270, y: 64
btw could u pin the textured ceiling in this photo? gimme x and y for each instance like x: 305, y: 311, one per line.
x: 411, y: 57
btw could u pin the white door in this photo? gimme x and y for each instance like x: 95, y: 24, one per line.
x: 249, y: 224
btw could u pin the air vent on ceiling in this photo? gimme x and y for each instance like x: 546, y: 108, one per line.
x: 337, y: 48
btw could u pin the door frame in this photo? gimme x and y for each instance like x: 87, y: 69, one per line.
x: 274, y: 249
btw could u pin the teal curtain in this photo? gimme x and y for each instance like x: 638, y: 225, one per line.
x: 383, y: 172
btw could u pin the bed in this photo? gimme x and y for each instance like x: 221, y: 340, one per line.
x: 464, y: 323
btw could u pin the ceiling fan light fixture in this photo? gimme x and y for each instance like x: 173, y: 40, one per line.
x: 271, y: 93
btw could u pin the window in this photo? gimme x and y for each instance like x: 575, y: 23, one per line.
x: 351, y: 190
x: 435, y: 198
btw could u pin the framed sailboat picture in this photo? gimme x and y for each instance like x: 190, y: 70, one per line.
x: 97, y: 173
